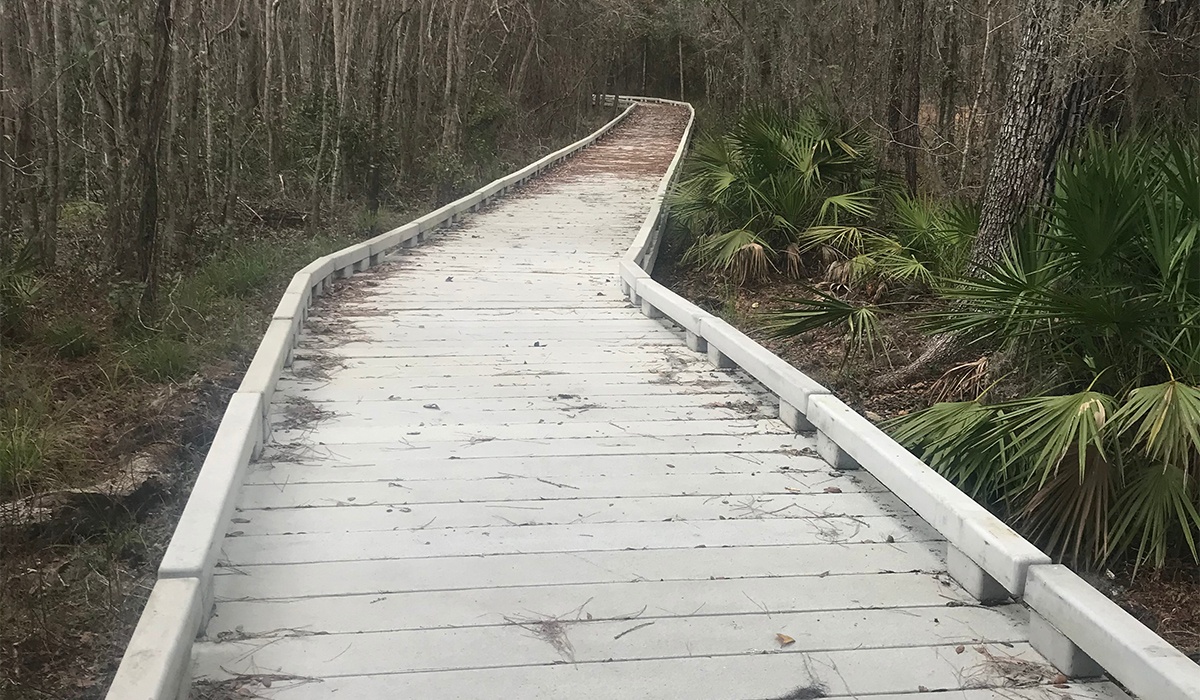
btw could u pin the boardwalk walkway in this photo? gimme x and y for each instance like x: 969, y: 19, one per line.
x: 491, y: 477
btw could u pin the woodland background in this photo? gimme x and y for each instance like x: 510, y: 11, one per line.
x: 166, y: 164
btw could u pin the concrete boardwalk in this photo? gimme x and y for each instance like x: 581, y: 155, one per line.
x: 490, y: 477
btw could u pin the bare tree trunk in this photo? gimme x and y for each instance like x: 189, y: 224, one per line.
x: 679, y: 46
x: 59, y: 196
x: 904, y: 102
x: 314, y: 215
x: 237, y: 118
x: 148, y: 157
x: 949, y: 50
x: 268, y: 84
x: 191, y: 177
x: 449, y: 118
x: 41, y: 203
x: 1035, y: 122
x: 207, y: 68
x: 7, y: 157
x: 981, y: 87
x: 909, y: 136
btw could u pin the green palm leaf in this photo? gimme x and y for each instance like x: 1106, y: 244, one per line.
x: 1165, y: 422
x: 1156, y: 506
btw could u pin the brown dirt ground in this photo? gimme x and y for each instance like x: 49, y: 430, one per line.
x: 1167, y: 601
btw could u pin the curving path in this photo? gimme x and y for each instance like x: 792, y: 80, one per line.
x: 489, y: 476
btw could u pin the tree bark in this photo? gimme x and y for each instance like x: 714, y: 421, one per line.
x: 148, y: 158
x: 1039, y: 115
x: 904, y: 103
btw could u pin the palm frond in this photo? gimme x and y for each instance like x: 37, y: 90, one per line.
x: 1157, y: 506
x: 1051, y: 431
x: 740, y: 250
x: 847, y: 240
x: 856, y: 205
x: 1068, y: 514
x: 1165, y: 422
x: 959, y: 441
x: 860, y: 322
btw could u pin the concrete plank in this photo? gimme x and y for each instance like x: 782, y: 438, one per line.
x: 850, y: 672
x: 767, y: 676
x: 348, y: 546
x: 464, y: 413
x: 386, y: 434
x: 504, y: 487
x: 562, y: 468
x: 288, y: 581
x: 631, y: 445
x: 477, y: 607
x: 517, y: 639
x: 365, y: 518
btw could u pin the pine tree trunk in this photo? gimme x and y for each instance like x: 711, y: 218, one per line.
x: 1039, y: 116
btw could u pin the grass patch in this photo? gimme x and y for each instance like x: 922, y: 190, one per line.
x: 238, y: 273
x: 23, y: 446
x: 72, y: 338
x: 35, y: 444
x: 161, y: 358
x: 222, y: 310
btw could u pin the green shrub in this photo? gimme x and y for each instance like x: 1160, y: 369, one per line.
x: 927, y: 244
x: 239, y: 273
x: 19, y: 291
x: 1098, y: 306
x: 774, y: 187
x: 35, y: 444
x: 72, y: 338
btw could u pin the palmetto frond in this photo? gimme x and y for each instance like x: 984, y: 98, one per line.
x: 860, y: 322
x: 740, y: 251
x: 1156, y: 507
x: 775, y: 176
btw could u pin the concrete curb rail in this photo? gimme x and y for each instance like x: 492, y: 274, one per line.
x: 1081, y: 632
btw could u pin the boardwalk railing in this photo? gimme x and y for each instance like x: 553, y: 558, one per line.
x: 1074, y: 626
x: 156, y: 664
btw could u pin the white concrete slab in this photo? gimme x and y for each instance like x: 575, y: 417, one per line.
x: 315, y: 579
x: 483, y: 541
x: 530, y: 513
x: 567, y: 468
x: 489, y: 487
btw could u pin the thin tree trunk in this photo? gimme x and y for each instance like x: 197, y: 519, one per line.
x: 948, y: 93
x: 41, y: 204
x: 58, y: 194
x: 909, y: 136
x: 237, y: 119
x: 268, y: 84
x: 981, y: 87
x: 148, y: 157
